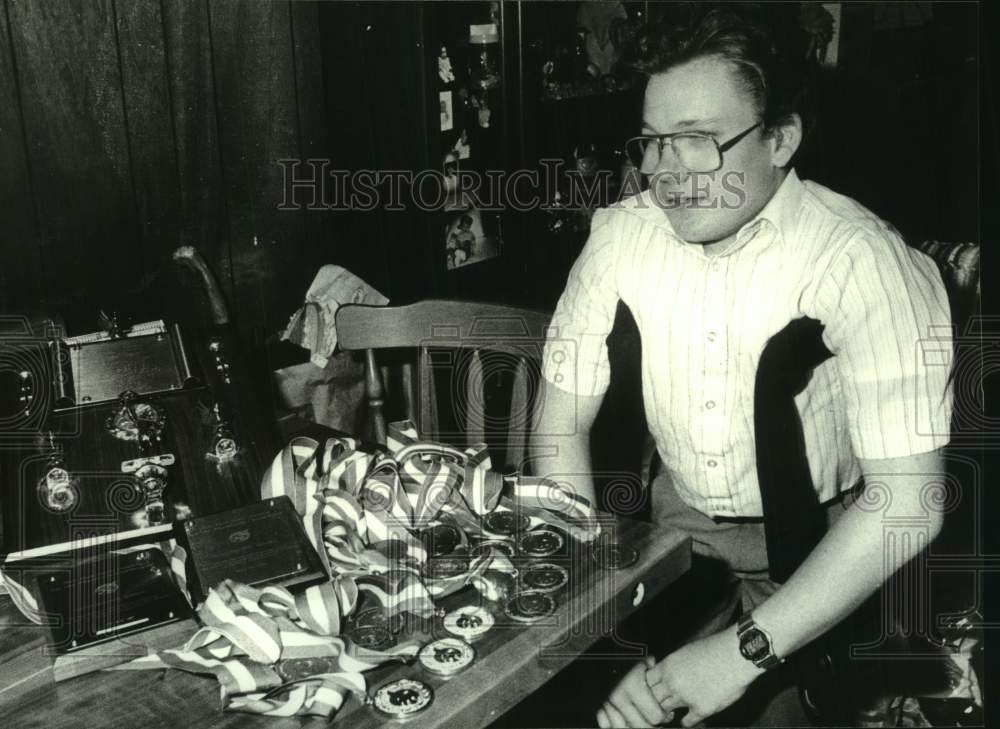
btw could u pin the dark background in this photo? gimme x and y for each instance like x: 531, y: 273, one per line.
x: 128, y: 128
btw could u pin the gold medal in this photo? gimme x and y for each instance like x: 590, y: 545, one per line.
x: 447, y: 656
x: 403, y: 698
x: 469, y: 623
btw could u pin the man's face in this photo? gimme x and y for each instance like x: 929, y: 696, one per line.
x: 705, y: 95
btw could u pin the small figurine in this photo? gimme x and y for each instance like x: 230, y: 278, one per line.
x: 596, y: 19
x: 586, y: 158
x: 462, y: 147
x: 444, y: 66
x: 483, y: 111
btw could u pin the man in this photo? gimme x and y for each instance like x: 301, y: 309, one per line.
x: 726, y: 248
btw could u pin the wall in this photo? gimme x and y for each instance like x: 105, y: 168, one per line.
x: 128, y: 128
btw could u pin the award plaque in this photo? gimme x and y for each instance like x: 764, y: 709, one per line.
x: 101, y: 599
x: 259, y: 544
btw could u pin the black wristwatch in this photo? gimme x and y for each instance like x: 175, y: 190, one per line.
x: 755, y: 643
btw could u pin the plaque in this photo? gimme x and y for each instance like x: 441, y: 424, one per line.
x: 96, y: 600
x: 259, y: 544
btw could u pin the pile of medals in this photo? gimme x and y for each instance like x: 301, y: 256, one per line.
x: 527, y: 594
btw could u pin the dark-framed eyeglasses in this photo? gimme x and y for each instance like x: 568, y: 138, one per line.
x: 695, y: 151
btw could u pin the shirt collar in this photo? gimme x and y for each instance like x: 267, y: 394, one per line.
x: 782, y: 210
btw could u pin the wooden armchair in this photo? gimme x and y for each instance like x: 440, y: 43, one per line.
x: 465, y: 373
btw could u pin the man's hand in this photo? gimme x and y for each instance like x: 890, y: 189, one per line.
x: 706, y: 676
x: 632, y: 704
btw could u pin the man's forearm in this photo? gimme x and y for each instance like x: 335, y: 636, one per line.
x: 860, y: 552
x: 568, y: 464
x: 560, y: 438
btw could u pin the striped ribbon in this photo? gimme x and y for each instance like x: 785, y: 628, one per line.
x: 247, y: 631
x: 362, y: 511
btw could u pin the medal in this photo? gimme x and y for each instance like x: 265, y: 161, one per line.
x: 469, y: 623
x: 614, y: 556
x: 482, y: 549
x: 372, y: 637
x: 296, y: 669
x: 402, y: 698
x: 447, y: 656
x: 543, y: 542
x: 545, y: 577
x: 440, y: 539
x: 505, y: 523
x: 374, y: 617
x: 439, y: 568
x: 529, y: 607
x: 495, y: 586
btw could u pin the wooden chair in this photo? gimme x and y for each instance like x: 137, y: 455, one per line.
x: 466, y: 355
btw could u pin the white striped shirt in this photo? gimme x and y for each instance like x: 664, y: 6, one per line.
x: 704, y: 321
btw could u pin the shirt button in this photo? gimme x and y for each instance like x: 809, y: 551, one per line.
x: 710, y: 404
x: 711, y: 336
x: 711, y: 463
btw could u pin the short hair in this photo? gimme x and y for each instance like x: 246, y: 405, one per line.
x: 749, y: 38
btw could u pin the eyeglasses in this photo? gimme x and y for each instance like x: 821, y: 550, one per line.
x: 696, y: 151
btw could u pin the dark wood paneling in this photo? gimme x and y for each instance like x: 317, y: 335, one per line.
x: 152, y: 146
x: 75, y: 126
x: 359, y: 243
x: 20, y: 285
x: 188, y: 50
x: 255, y: 100
x: 312, y: 126
x: 402, y: 139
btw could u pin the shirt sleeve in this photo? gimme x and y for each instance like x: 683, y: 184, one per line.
x: 889, y: 324
x: 576, y: 353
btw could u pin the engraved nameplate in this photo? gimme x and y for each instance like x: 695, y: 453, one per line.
x: 258, y: 544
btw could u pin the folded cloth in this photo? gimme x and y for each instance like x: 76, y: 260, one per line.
x: 312, y: 326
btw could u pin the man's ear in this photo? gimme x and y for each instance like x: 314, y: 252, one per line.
x: 786, y: 138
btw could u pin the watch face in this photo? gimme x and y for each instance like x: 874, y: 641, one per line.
x: 754, y: 645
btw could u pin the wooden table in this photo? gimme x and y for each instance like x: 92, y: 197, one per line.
x: 512, y: 662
